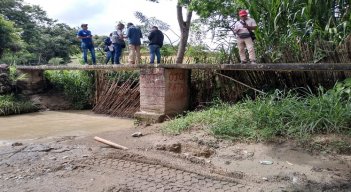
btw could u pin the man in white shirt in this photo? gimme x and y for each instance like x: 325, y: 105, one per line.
x: 242, y: 30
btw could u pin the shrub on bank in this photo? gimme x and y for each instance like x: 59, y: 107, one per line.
x: 279, y: 114
x: 9, y: 105
x: 76, y: 85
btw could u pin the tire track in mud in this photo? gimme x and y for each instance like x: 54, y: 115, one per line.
x: 149, y: 177
x: 56, y: 168
x: 111, y: 171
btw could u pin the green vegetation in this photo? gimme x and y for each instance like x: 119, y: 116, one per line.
x: 9, y: 36
x: 9, y: 104
x: 287, y: 29
x: 15, y: 75
x: 28, y: 36
x: 76, y: 85
x: 278, y: 114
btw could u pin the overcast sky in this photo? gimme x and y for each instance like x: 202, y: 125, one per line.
x: 103, y: 15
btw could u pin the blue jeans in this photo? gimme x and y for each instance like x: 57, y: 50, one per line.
x: 155, y: 50
x: 118, y: 53
x: 110, y: 55
x: 85, y: 48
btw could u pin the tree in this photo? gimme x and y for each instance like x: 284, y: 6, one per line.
x: 184, y: 26
x: 58, y: 40
x: 43, y: 37
x: 152, y: 21
x: 9, y: 36
x: 283, y: 24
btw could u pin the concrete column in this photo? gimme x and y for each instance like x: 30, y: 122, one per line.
x: 163, y: 92
x: 33, y: 82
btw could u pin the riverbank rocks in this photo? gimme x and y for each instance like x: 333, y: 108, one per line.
x: 5, y: 83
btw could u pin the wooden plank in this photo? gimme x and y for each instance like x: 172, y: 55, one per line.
x: 290, y: 67
x: 107, y: 142
x: 229, y: 67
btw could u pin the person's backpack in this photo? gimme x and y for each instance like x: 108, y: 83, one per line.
x: 108, y: 41
x: 252, y: 34
x: 114, y: 37
x: 106, y: 48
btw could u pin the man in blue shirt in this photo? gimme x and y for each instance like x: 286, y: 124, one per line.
x: 86, y: 43
x: 134, y: 34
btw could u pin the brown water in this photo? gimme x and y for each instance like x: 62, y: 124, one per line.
x: 57, y: 123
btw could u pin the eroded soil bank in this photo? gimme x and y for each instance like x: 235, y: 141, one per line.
x: 60, y: 154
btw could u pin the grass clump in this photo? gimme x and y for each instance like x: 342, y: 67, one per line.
x: 222, y: 119
x: 9, y: 105
x: 280, y: 114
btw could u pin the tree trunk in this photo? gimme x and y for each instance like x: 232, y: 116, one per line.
x: 1, y: 52
x: 184, y: 32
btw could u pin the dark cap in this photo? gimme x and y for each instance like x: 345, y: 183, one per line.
x: 84, y: 25
x: 120, y: 24
x: 129, y: 24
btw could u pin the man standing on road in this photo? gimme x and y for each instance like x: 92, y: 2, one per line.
x: 86, y: 43
x: 156, y: 41
x: 243, y: 30
x: 134, y: 34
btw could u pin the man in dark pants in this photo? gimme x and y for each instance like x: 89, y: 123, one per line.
x: 86, y: 43
x: 156, y: 41
x: 117, y: 38
x: 110, y: 51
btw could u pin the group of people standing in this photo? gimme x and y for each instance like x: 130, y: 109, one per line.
x: 115, y: 43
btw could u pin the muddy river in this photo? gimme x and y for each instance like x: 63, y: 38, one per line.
x: 57, y: 123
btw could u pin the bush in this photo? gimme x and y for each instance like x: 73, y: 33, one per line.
x: 9, y: 105
x: 56, y: 61
x: 279, y: 114
x: 76, y: 85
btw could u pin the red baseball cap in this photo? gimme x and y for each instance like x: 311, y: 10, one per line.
x: 242, y: 13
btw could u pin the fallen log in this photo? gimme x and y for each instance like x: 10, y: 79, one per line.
x: 107, y: 142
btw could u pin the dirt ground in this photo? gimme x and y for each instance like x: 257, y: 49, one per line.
x: 192, y: 161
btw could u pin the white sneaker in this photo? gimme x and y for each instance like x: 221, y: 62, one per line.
x: 253, y: 62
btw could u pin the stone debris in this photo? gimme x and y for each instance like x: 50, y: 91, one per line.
x: 137, y: 134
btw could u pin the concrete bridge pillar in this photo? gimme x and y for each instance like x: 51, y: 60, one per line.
x: 34, y: 82
x: 163, y: 93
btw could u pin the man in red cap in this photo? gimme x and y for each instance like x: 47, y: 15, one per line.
x: 242, y: 29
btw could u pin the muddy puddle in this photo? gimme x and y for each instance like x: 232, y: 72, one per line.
x: 48, y: 124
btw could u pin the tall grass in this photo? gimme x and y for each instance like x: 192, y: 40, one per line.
x: 9, y: 104
x: 76, y: 85
x: 279, y: 114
